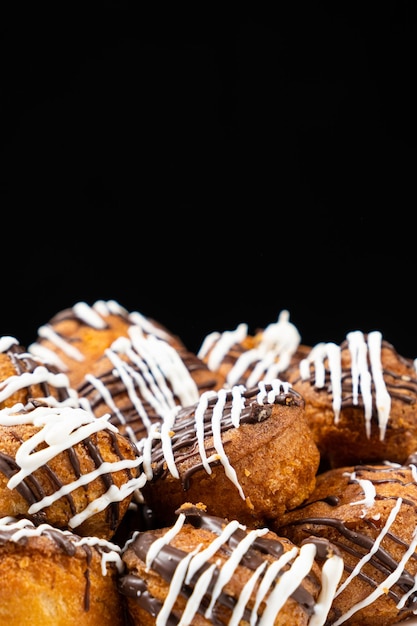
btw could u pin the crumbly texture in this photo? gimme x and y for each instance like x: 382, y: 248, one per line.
x: 360, y: 523
x: 275, y: 461
x: 41, y: 584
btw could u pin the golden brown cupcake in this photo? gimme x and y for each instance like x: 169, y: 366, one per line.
x: 208, y: 570
x: 62, y: 466
x: 26, y: 380
x: 248, y: 452
x: 370, y: 513
x: 50, y: 577
x: 76, y: 337
x: 361, y: 399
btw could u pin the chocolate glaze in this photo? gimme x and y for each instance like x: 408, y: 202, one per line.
x: 168, y: 558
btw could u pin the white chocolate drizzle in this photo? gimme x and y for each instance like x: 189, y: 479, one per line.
x: 236, y: 404
x: 272, y: 355
x: 6, y: 342
x: 151, y: 371
x: 22, y: 529
x: 95, y: 317
x: 362, y: 376
x: 331, y: 574
x: 163, y: 541
x: 47, y: 332
x: 268, y: 581
x: 39, y: 375
x: 219, y: 344
x: 89, y: 316
x: 60, y: 428
x: 218, y: 444
x: 369, y: 492
x: 389, y: 581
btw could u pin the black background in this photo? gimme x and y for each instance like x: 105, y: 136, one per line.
x: 212, y: 169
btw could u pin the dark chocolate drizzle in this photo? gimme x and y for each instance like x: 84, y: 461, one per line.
x: 23, y: 363
x: 358, y: 544
x: 31, y: 490
x: 168, y: 558
x: 128, y: 418
x: 66, y: 543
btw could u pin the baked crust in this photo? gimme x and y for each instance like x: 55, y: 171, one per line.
x: 249, y: 452
x: 54, y: 578
x: 26, y: 380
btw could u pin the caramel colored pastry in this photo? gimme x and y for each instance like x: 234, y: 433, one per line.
x: 50, y: 577
x: 207, y: 570
x: 370, y: 513
x: 140, y: 379
x: 361, y: 400
x: 248, y: 452
x: 26, y: 380
x: 67, y: 468
x: 76, y: 337
x: 244, y: 359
